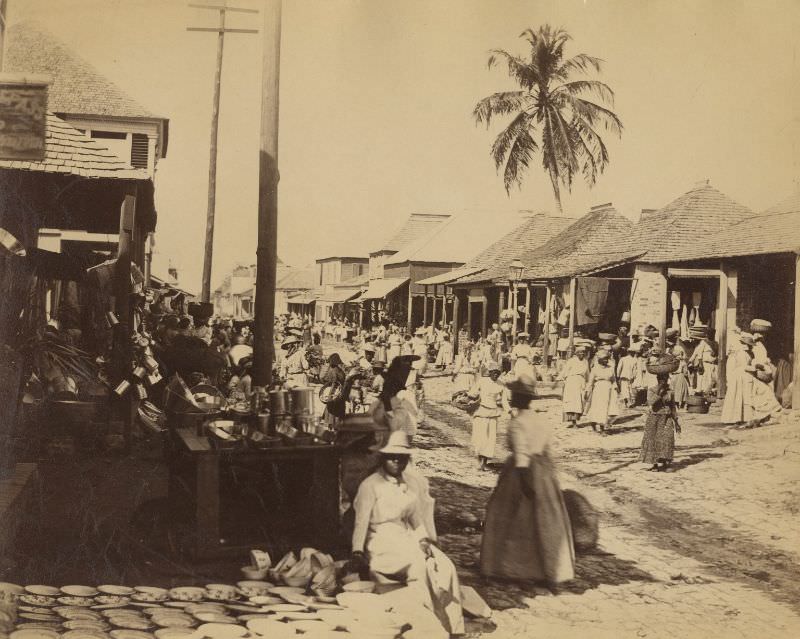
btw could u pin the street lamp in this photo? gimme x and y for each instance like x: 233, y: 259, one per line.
x: 515, y: 271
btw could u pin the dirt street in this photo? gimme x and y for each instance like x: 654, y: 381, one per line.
x: 706, y: 550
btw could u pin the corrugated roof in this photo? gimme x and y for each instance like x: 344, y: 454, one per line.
x: 457, y: 239
x: 601, y: 238
x: 671, y: 232
x: 69, y: 151
x: 494, y: 260
x: 417, y: 225
x: 776, y: 230
x: 378, y: 289
x: 77, y: 86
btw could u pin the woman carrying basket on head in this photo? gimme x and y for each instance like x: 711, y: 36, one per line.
x: 658, y: 441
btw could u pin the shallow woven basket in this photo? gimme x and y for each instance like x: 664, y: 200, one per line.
x: 666, y: 367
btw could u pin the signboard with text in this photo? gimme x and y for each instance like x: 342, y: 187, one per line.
x: 23, y: 110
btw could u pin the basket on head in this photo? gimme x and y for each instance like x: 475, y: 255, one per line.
x: 663, y: 365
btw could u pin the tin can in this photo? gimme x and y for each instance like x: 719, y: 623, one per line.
x: 151, y: 364
x: 141, y: 391
x: 263, y: 422
x: 123, y: 387
x: 139, y: 372
x: 154, y: 378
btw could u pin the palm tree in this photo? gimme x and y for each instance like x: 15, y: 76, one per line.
x: 554, y: 113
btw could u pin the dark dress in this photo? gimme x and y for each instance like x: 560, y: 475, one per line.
x: 658, y: 441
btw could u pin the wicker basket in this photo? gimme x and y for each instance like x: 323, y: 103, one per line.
x: 663, y: 367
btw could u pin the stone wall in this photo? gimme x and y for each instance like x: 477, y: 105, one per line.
x: 648, y: 295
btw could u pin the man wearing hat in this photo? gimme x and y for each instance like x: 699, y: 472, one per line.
x: 294, y: 367
x: 493, y: 403
x: 522, y: 356
x: 392, y: 542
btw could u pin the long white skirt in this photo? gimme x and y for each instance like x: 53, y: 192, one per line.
x: 572, y: 396
x: 484, y: 435
x: 604, y: 402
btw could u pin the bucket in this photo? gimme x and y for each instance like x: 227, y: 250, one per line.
x: 302, y: 401
x: 279, y: 402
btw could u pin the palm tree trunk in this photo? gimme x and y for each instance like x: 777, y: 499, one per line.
x: 556, y: 191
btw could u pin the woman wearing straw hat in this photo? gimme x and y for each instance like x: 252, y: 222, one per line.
x: 574, y: 375
x: 391, y: 541
x: 658, y: 440
x: 494, y: 403
x: 602, y: 395
x: 527, y: 534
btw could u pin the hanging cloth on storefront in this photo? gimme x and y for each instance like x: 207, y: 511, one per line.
x: 591, y: 295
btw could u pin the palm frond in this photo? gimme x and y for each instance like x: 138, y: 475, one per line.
x: 518, y: 69
x: 509, y: 135
x: 519, y: 159
x: 500, y: 104
x: 600, y: 89
x: 581, y: 63
x: 594, y: 113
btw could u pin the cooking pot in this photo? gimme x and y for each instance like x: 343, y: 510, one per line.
x: 279, y: 402
x: 302, y: 401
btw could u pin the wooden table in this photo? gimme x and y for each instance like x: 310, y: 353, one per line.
x: 197, y: 469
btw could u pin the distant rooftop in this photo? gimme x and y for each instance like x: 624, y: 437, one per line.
x: 416, y: 226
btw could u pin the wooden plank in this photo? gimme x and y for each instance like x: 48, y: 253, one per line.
x: 455, y: 322
x: 573, y: 285
x: 721, y: 329
x: 694, y: 272
x: 527, y: 328
x: 546, y: 343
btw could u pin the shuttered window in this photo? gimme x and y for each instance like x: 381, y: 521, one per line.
x: 139, y: 148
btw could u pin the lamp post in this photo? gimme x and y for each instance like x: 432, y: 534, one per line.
x: 515, y: 271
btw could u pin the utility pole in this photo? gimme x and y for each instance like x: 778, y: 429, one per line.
x: 3, y: 7
x: 267, y: 252
x: 212, y: 165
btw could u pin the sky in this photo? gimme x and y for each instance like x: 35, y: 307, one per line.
x: 376, y: 102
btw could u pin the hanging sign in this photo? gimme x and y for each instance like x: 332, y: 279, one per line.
x: 23, y: 111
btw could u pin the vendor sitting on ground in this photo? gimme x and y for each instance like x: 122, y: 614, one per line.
x: 392, y: 543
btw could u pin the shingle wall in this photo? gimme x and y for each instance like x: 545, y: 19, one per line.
x: 649, y: 293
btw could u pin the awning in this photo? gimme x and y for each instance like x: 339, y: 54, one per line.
x: 450, y: 276
x: 339, y: 297
x: 304, y: 299
x: 378, y: 289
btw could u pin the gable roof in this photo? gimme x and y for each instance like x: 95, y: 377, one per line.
x: 776, y: 230
x: 670, y: 232
x: 296, y: 279
x: 456, y: 240
x: 77, y: 86
x: 416, y: 226
x: 68, y: 151
x: 598, y: 240
x: 494, y: 260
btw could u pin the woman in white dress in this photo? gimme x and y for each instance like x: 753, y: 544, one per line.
x: 465, y: 369
x: 601, y: 389
x: 574, y: 375
x: 392, y: 543
x: 737, y: 406
x: 494, y: 402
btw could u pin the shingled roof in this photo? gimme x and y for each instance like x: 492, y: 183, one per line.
x: 598, y: 240
x: 670, y: 233
x: 69, y: 151
x: 457, y: 239
x: 776, y: 230
x: 77, y: 87
x: 297, y: 279
x: 416, y: 226
x: 493, y: 261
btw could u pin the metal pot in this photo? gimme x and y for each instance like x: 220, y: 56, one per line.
x: 279, y: 402
x: 302, y: 401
